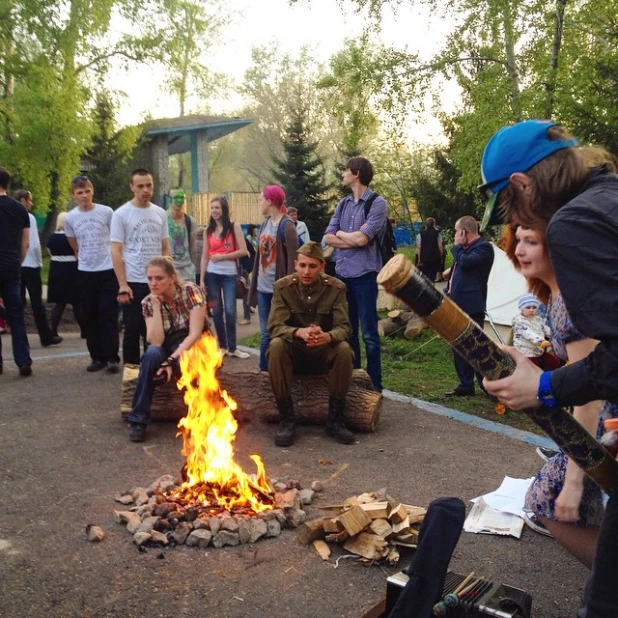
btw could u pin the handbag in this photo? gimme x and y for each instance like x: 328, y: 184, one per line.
x: 241, y: 281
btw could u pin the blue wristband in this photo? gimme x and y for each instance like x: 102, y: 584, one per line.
x: 545, y: 394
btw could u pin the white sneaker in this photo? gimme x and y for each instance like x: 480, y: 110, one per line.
x: 224, y: 352
x: 238, y: 354
x: 546, y: 453
x: 244, y: 322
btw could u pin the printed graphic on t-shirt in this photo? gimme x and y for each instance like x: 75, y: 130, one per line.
x: 268, y: 251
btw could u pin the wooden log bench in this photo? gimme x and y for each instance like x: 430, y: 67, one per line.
x: 252, y: 392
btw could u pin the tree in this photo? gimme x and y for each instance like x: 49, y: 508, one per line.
x: 109, y: 157
x: 301, y: 174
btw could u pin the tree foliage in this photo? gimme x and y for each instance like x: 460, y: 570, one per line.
x: 301, y: 174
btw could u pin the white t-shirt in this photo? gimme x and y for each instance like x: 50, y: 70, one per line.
x: 141, y: 232
x: 91, y: 229
x: 33, y: 258
x: 302, y: 231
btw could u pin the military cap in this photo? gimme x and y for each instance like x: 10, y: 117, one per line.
x: 312, y: 249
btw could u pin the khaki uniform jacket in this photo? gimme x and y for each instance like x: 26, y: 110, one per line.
x: 296, y: 306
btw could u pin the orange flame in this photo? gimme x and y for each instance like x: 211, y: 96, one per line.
x: 208, y: 433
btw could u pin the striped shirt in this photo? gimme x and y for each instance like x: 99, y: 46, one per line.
x: 349, y: 216
x: 188, y: 296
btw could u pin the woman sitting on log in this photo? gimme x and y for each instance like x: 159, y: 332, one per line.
x: 175, y: 314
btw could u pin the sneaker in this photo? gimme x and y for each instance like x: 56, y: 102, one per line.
x: 239, y: 354
x: 224, y: 352
x: 533, y: 522
x: 25, y: 371
x: 137, y: 432
x: 244, y: 322
x: 546, y: 453
x: 112, y: 367
x: 95, y: 366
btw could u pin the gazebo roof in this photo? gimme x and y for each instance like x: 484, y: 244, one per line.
x: 179, y: 130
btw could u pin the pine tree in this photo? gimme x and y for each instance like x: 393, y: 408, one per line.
x: 301, y: 174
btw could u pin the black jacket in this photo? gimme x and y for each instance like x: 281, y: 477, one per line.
x: 582, y: 239
x: 469, y: 275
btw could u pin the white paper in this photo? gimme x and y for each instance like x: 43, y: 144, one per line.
x: 509, y: 497
x: 482, y: 519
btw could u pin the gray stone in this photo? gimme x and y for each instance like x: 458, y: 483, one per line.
x: 293, y: 484
x: 144, y: 511
x: 306, y: 496
x: 225, y: 537
x: 258, y: 529
x: 175, y: 515
x: 280, y: 486
x: 273, y: 528
x: 230, y: 524
x: 317, y: 486
x: 201, y: 523
x: 95, y: 534
x: 145, y: 528
x: 141, y: 538
x: 124, y: 498
x: 134, y: 523
x: 199, y: 538
x: 287, y: 498
x: 244, y: 532
x: 122, y: 517
x: 150, y: 519
x: 215, y: 525
x: 182, y: 532
x: 159, y: 538
x: 163, y: 483
x: 295, y: 517
x: 277, y: 514
x: 164, y: 509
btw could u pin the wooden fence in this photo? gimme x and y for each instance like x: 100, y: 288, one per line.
x: 243, y: 207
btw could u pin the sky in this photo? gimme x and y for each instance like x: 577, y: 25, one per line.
x: 320, y: 24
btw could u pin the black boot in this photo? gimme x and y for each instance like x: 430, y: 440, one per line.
x: 286, y: 433
x: 335, y: 426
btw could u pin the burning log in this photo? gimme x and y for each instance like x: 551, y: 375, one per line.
x: 255, y: 399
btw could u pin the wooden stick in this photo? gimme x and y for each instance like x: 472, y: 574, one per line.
x: 471, y: 585
x: 464, y: 583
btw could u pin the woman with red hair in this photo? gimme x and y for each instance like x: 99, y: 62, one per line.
x: 277, y: 246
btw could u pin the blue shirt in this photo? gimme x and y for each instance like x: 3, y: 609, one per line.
x: 349, y: 216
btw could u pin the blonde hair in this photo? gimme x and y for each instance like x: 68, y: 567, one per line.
x: 60, y: 222
x: 166, y: 263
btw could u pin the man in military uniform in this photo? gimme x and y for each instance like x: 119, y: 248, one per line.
x: 309, y: 326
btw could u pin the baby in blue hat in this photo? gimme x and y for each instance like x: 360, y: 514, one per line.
x: 530, y: 331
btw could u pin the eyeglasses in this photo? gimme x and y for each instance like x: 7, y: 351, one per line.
x: 486, y: 191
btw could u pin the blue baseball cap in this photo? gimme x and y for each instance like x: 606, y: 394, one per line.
x: 515, y: 148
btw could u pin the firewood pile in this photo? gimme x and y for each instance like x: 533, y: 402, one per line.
x: 398, y: 321
x: 373, y: 526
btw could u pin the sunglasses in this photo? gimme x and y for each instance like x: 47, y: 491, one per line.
x: 486, y: 192
x: 80, y: 178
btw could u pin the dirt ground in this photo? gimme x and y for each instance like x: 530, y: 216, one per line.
x: 65, y: 453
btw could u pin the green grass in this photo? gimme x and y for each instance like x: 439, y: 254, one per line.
x: 423, y: 368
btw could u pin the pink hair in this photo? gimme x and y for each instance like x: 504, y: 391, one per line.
x: 276, y: 196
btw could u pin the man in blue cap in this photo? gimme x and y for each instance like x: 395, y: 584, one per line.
x: 536, y: 176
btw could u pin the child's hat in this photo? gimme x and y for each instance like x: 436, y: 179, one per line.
x: 528, y: 300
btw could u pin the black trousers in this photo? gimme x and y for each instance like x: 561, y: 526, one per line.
x: 465, y: 371
x: 134, y: 324
x: 31, y: 281
x: 99, y: 309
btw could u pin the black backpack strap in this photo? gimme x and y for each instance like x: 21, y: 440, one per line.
x: 369, y: 203
x: 188, y: 225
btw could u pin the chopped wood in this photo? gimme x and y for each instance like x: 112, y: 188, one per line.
x: 368, y: 546
x: 416, y: 513
x: 366, y: 498
x: 408, y: 537
x: 398, y: 514
x: 337, y: 538
x: 393, y: 556
x: 312, y: 530
x: 322, y: 548
x: 394, y: 314
x: 351, y: 502
x: 354, y: 521
x: 332, y: 525
x: 401, y: 526
x: 381, y: 527
x: 402, y: 544
x: 377, y: 510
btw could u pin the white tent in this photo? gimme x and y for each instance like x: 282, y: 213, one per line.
x: 505, y: 286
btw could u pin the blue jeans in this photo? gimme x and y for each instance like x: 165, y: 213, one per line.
x: 264, y: 302
x: 10, y: 292
x: 362, y: 296
x: 151, y: 362
x: 222, y: 292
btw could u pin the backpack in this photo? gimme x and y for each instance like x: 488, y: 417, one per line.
x: 282, y: 234
x: 386, y: 244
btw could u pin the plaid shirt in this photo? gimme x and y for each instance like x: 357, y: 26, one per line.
x: 188, y: 296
